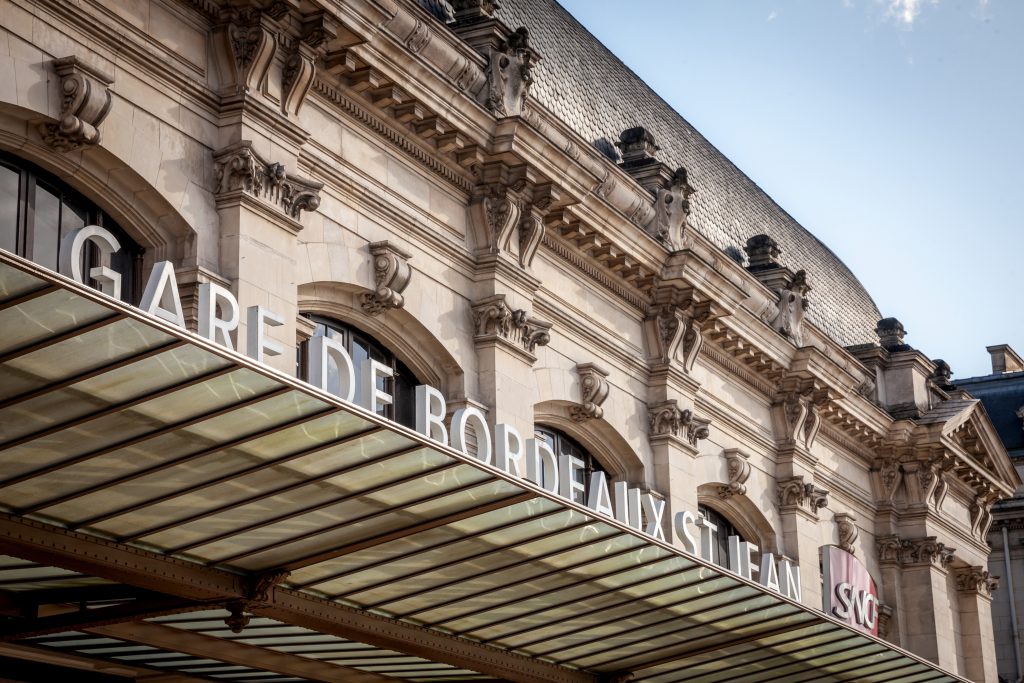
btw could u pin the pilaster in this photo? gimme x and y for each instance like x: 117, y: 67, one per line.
x: 974, y: 595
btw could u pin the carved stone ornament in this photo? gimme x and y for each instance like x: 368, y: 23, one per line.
x: 932, y: 476
x: 508, y: 211
x: 593, y: 392
x: 846, y: 525
x: 493, y: 318
x: 473, y: 9
x: 890, y: 333
x: 798, y: 403
x: 737, y: 467
x: 245, y: 47
x: 675, y: 326
x: 976, y: 580
x: 85, y: 102
x: 509, y: 74
x: 240, y: 168
x: 981, y: 513
x: 884, y: 620
x: 391, y: 275
x: 671, y: 209
x: 667, y: 419
x: 787, y: 318
x: 794, y: 493
x: 762, y: 251
x: 914, y: 551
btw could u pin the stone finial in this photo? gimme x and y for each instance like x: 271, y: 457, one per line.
x: 794, y: 493
x: 788, y: 318
x: 637, y: 145
x: 942, y: 374
x: 85, y: 102
x: 737, y: 465
x: 762, y: 251
x: 890, y: 333
x: 593, y: 392
x: 391, y: 275
x: 666, y: 419
x: 671, y: 209
x: 509, y: 74
x: 846, y: 525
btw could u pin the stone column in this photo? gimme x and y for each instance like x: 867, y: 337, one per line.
x: 974, y: 594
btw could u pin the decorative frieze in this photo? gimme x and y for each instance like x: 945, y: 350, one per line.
x: 737, y: 468
x: 667, y: 419
x: 914, y: 551
x: 976, y: 580
x: 85, y: 102
x: 239, y: 169
x: 391, y: 275
x: 593, y: 392
x: 794, y: 493
x: 509, y: 74
x: 846, y: 525
x: 493, y: 319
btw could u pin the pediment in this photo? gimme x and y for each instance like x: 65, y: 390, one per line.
x: 964, y: 426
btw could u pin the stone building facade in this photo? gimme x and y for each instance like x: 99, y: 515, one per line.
x: 485, y: 200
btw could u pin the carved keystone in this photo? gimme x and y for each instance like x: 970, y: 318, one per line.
x: 391, y: 275
x: 593, y: 392
x: 846, y: 523
x: 85, y: 102
x: 738, y: 470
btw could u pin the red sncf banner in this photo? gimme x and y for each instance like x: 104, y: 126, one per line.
x: 848, y: 591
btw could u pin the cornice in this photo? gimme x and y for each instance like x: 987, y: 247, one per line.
x: 723, y: 417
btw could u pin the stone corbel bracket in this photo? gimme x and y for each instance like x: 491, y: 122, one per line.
x: 300, y: 66
x: 391, y: 276
x: 795, y: 494
x: 675, y: 324
x: 667, y: 419
x: 737, y: 467
x: 495, y: 322
x: 85, y: 102
x: 798, y: 407
x: 241, y: 170
x: 846, y: 525
x: 245, y: 42
x: 594, y: 389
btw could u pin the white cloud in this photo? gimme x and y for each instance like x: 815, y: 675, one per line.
x: 905, y: 12
x: 773, y: 15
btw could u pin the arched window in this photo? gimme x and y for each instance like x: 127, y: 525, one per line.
x: 563, y: 444
x: 37, y: 211
x: 360, y: 347
x: 720, y: 548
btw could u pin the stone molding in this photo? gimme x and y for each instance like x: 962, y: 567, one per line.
x: 666, y: 419
x: 795, y: 494
x: 976, y: 580
x: 846, y: 525
x: 786, y: 316
x: 737, y: 467
x: 909, y: 552
x: 85, y: 102
x: 493, y: 320
x: 240, y: 169
x: 391, y: 276
x: 594, y: 389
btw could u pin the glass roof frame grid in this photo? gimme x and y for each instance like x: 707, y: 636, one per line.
x: 848, y: 654
x: 30, y: 270
x: 60, y: 337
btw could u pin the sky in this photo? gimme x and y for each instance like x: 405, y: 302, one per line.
x: 891, y: 129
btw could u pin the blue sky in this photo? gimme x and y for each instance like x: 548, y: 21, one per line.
x: 891, y: 129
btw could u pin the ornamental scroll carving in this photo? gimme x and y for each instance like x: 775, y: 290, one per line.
x: 240, y: 169
x: 671, y: 210
x: 787, y: 318
x: 666, y: 419
x: 391, y: 275
x: 798, y: 404
x: 976, y: 580
x: 509, y: 74
x: 737, y: 468
x: 85, y: 102
x: 508, y: 211
x: 593, y: 392
x: 674, y: 326
x: 492, y: 318
x: 914, y: 551
x: 794, y: 493
x: 246, y: 45
x: 846, y: 525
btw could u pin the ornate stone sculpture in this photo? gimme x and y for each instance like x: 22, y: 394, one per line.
x: 246, y: 47
x: 509, y: 74
x: 794, y: 493
x: 976, y: 579
x: 671, y: 209
x: 738, y: 470
x: 846, y: 524
x: 391, y: 275
x: 493, y: 318
x: 507, y: 201
x: 240, y: 169
x: 593, y: 392
x: 914, y: 551
x: 667, y: 419
x: 85, y: 102
x: 799, y: 402
x: 788, y: 317
x: 674, y: 326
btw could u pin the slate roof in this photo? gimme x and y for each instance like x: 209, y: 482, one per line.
x: 1002, y: 395
x: 583, y: 83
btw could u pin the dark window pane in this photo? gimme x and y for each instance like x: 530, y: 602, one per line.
x: 45, y: 229
x: 563, y: 444
x: 9, y: 204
